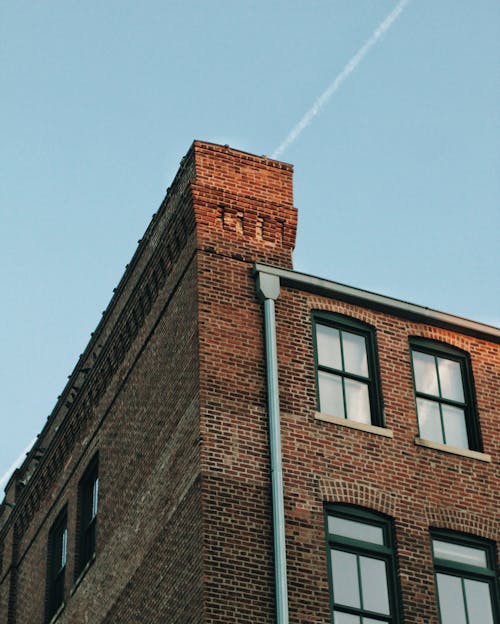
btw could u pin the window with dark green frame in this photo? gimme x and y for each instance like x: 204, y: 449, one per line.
x: 466, y: 583
x: 347, y: 378
x: 362, y: 567
x: 57, y: 555
x: 444, y: 395
x: 88, y: 497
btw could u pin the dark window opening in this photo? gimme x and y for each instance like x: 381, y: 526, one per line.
x: 57, y: 556
x: 88, y: 499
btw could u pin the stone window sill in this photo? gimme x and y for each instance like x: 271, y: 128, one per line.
x: 57, y: 613
x: 354, y: 424
x: 454, y: 450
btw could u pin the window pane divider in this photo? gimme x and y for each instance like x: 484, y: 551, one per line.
x: 346, y: 415
x: 441, y: 420
x: 359, y: 545
x: 341, y: 340
x: 360, y: 584
x: 464, y: 594
x: 436, y: 399
x: 363, y: 613
x: 453, y: 567
x: 341, y: 373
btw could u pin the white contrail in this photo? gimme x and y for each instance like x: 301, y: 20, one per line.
x: 6, y: 476
x: 344, y: 74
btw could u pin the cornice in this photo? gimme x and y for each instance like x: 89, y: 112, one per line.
x: 390, y: 305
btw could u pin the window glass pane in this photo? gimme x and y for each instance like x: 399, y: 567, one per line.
x: 374, y: 585
x: 331, y: 400
x: 372, y: 621
x: 64, y: 547
x: 328, y: 340
x: 450, y: 379
x: 424, y: 369
x: 345, y: 579
x: 478, y: 602
x: 455, y: 430
x: 345, y: 618
x: 459, y: 553
x: 355, y: 360
x: 95, y: 497
x: 451, y: 602
x: 356, y: 530
x: 429, y: 420
x: 357, y: 401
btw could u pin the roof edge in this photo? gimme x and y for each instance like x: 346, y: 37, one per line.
x: 383, y: 303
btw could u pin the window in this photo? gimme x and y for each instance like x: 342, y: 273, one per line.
x: 57, y: 554
x: 88, y: 495
x: 442, y: 379
x: 465, y: 579
x: 363, y: 588
x: 346, y: 370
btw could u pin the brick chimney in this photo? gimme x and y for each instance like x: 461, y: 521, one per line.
x: 243, y: 204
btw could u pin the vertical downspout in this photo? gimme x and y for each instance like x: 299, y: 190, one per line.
x: 268, y: 289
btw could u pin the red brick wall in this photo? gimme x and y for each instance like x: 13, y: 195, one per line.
x: 244, y: 212
x: 418, y: 487
x: 235, y: 463
x: 184, y: 525
x: 243, y: 205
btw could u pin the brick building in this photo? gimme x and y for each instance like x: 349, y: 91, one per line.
x: 244, y: 443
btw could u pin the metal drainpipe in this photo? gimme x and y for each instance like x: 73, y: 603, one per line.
x: 268, y: 289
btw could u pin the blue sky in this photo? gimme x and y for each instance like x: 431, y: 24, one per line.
x: 396, y: 179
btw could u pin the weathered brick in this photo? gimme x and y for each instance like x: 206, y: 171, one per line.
x: 172, y: 394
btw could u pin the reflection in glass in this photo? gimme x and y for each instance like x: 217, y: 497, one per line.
x: 424, y: 368
x: 455, y: 430
x: 450, y: 379
x: 346, y: 618
x: 459, y: 553
x: 328, y: 340
x: 451, y: 604
x: 331, y: 398
x: 95, y: 498
x: 478, y: 602
x: 355, y: 360
x: 64, y: 548
x: 429, y: 420
x: 357, y: 401
x: 356, y: 530
x: 345, y: 579
x: 374, y: 585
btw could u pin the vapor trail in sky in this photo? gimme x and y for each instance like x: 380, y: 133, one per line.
x: 6, y: 475
x: 344, y: 74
